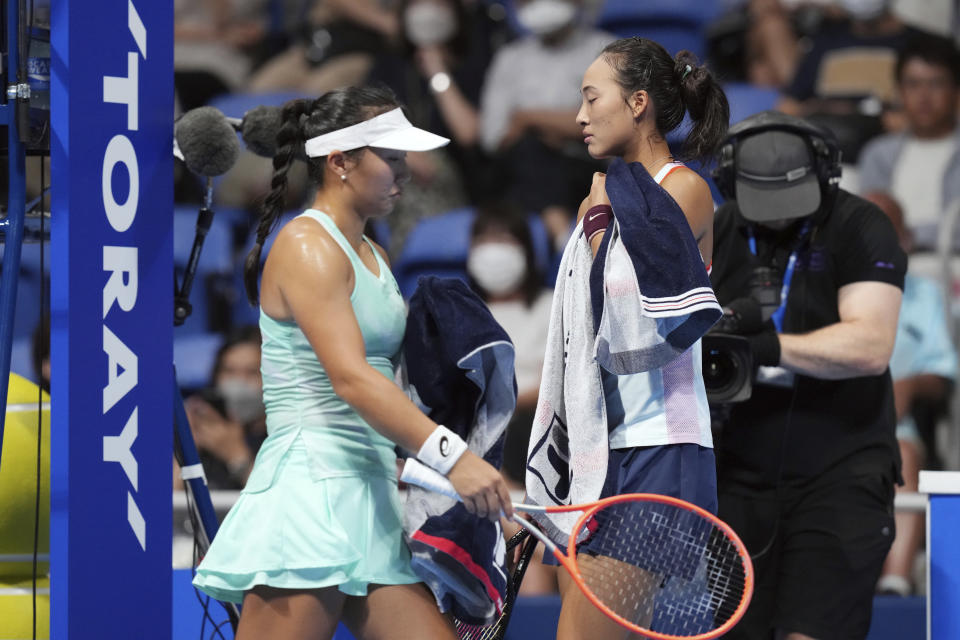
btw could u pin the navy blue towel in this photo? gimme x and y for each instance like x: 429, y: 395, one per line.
x: 459, y: 366
x: 670, y: 273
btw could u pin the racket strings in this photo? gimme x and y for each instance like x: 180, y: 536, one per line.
x: 662, y: 567
x: 496, y: 631
x: 470, y: 632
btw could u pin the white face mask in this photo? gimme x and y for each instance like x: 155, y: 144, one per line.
x: 498, y: 267
x: 244, y: 402
x: 544, y: 17
x: 429, y: 24
x: 864, y: 9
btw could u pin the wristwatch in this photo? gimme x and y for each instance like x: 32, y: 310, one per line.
x: 440, y: 82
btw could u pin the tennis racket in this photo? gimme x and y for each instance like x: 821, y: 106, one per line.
x: 656, y: 565
x: 498, y: 629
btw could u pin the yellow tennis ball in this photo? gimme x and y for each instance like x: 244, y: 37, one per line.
x: 16, y: 608
x: 18, y: 480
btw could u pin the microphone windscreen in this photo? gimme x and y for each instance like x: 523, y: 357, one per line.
x: 259, y: 130
x: 207, y: 140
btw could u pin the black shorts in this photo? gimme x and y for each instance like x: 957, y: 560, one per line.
x: 825, y: 545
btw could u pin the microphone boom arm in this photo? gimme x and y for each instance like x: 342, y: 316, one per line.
x: 181, y: 295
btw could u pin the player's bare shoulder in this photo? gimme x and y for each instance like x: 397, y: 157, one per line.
x: 683, y: 183
x: 304, y: 244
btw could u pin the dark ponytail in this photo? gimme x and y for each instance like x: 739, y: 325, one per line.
x: 301, y: 120
x: 705, y: 101
x: 675, y: 86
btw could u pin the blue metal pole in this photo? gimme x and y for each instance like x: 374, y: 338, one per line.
x: 191, y: 460
x: 16, y: 201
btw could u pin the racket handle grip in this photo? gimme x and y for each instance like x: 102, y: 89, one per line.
x: 417, y: 473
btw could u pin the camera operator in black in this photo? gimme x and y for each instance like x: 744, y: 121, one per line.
x: 807, y: 464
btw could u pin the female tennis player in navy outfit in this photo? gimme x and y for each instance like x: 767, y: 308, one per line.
x: 632, y: 96
x: 315, y: 537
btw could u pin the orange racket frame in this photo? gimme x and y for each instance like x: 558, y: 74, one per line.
x: 589, y: 509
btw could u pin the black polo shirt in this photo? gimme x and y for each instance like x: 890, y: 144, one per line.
x: 821, y: 426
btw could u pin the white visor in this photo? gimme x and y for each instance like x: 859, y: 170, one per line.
x: 390, y: 130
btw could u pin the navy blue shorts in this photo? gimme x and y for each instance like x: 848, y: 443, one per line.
x: 686, y: 471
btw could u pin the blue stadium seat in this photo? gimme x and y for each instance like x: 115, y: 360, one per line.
x: 673, y: 36
x: 675, y: 24
x: 694, y: 11
x: 435, y: 246
x: 746, y: 99
x: 193, y: 355
x: 238, y: 219
x: 438, y: 245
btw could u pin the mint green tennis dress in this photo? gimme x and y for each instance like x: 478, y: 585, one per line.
x: 321, y: 507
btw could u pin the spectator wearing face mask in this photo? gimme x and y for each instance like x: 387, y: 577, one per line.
x: 502, y: 268
x: 437, y: 70
x: 227, y: 419
x: 528, y: 111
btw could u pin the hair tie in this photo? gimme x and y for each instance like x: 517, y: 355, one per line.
x: 686, y: 72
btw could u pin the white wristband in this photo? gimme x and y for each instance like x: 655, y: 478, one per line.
x: 442, y: 449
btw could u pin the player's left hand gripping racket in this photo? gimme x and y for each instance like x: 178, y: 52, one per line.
x: 656, y: 565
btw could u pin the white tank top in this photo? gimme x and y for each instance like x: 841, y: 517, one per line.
x: 662, y: 406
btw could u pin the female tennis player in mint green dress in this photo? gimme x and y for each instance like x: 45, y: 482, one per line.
x: 315, y: 537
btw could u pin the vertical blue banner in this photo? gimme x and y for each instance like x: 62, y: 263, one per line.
x: 111, y: 318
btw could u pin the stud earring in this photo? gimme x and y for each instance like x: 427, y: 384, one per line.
x: 343, y: 177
